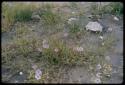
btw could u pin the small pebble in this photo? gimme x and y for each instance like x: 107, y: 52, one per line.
x: 56, y: 50
x: 33, y: 26
x: 115, y: 18
x: 71, y: 19
x: 108, y: 75
x: 39, y: 49
x: 73, y: 12
x: 109, y: 29
x: 102, y: 44
x: 21, y: 73
x: 90, y: 67
x: 101, y: 37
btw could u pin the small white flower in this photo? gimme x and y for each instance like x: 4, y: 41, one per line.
x: 101, y: 37
x: 38, y: 72
x: 45, y: 45
x: 37, y: 76
x: 21, y: 73
x: 56, y: 50
x: 98, y: 75
x: 115, y: 18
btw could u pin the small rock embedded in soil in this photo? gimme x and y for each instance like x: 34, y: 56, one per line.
x: 56, y: 49
x: 71, y: 19
x: 102, y: 44
x: 21, y: 73
x: 35, y: 17
x: 94, y: 26
x: 101, y: 37
x: 109, y: 29
x: 79, y: 49
x: 73, y: 12
x: 115, y: 18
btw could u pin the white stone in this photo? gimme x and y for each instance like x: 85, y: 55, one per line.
x: 21, y: 73
x: 73, y: 12
x: 109, y: 29
x: 56, y: 50
x: 101, y: 37
x: 94, y: 26
x: 71, y: 19
x: 36, y: 17
x: 102, y: 44
x: 115, y: 18
x: 79, y: 49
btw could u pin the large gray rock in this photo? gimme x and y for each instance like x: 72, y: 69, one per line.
x: 94, y: 26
